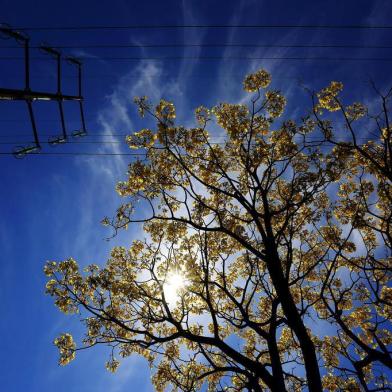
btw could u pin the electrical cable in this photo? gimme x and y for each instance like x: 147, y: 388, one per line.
x: 122, y: 142
x: 76, y: 154
x: 206, y: 26
x: 218, y: 45
x: 214, y: 58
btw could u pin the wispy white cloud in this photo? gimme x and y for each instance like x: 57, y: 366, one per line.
x: 117, y: 116
x: 189, y: 36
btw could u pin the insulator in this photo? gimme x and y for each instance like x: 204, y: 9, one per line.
x: 57, y: 140
x: 73, y: 60
x: 79, y: 133
x: 46, y: 48
x: 21, y: 152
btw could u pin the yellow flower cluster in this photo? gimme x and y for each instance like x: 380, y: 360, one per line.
x: 165, y: 110
x: 386, y: 297
x: 261, y: 125
x: 355, y: 111
x: 202, y: 115
x: 233, y: 118
x: 139, y: 178
x: 67, y: 347
x: 50, y: 268
x: 327, y: 96
x: 276, y: 103
x: 142, y: 139
x: 112, y: 365
x: 143, y: 105
x: 257, y: 80
x: 329, y: 352
x: 386, y: 133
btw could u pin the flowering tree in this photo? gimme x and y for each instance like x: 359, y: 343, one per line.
x: 267, y: 257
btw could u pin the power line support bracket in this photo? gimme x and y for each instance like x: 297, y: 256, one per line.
x: 29, y: 96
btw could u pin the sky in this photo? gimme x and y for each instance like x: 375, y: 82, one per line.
x: 51, y: 205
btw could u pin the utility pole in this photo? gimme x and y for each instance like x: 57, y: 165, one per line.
x: 29, y: 96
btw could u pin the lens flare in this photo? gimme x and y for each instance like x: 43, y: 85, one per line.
x: 172, y: 287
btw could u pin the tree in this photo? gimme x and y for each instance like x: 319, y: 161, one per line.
x: 267, y: 257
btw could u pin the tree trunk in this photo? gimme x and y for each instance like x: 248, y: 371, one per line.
x: 294, y: 320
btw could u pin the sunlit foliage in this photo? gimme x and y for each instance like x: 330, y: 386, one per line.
x: 267, y: 258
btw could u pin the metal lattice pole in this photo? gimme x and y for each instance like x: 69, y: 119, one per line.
x: 29, y: 96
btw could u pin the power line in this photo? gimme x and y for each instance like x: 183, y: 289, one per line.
x: 89, y: 135
x: 194, y: 76
x: 77, y: 154
x: 217, y: 45
x: 205, y: 26
x: 124, y: 143
x: 110, y: 135
x: 177, y: 58
x: 83, y: 142
x: 211, y: 141
x: 71, y: 154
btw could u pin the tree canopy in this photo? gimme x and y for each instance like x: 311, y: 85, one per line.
x: 266, y: 261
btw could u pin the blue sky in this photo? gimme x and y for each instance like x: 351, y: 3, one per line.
x: 51, y: 206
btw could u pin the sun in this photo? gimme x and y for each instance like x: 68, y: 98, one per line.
x: 172, y: 287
